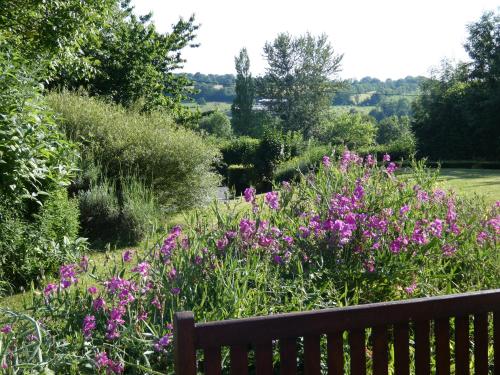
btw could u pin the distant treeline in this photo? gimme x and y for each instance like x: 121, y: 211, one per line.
x: 367, y: 91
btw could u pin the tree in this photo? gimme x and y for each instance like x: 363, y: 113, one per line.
x: 241, y: 109
x: 392, y: 128
x: 216, y: 123
x: 297, y: 83
x: 135, y: 63
x: 457, y: 116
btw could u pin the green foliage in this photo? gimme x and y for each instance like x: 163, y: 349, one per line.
x: 34, y: 155
x: 174, y: 161
x: 135, y: 63
x: 292, y: 169
x: 31, y: 248
x: 391, y: 107
x: 353, y: 130
x: 241, y: 150
x: 457, y: 116
x: 393, y: 129
x: 297, y: 82
x: 52, y: 33
x: 241, y: 109
x: 216, y: 123
x: 351, y: 233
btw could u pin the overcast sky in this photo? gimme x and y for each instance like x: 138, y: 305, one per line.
x: 379, y: 38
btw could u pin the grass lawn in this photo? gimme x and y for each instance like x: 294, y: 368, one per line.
x: 483, y: 182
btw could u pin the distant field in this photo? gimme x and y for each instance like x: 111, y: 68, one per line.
x: 211, y: 106
x: 348, y: 108
x: 485, y: 182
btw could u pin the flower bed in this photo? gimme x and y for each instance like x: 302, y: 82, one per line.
x: 354, y: 232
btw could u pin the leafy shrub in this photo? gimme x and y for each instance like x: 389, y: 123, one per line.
x: 241, y: 150
x: 217, y: 123
x: 174, y: 161
x: 34, y: 155
x: 291, y: 169
x: 31, y: 249
x: 119, y: 216
x: 354, y: 232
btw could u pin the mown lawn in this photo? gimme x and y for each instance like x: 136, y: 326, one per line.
x: 483, y: 182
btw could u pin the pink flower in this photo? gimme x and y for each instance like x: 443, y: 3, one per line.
x: 98, y: 304
x: 175, y: 291
x: 271, y: 200
x: 49, y: 289
x: 386, y: 157
x: 448, y: 250
x: 391, y: 168
x: 403, y: 210
x: 370, y: 161
x: 249, y: 194
x: 326, y: 161
x: 84, y: 263
x: 411, y: 289
x: 222, y: 243
x: 101, y: 360
x: 142, y: 269
x: 92, y: 289
x: 88, y: 325
x: 127, y: 255
x: 6, y: 329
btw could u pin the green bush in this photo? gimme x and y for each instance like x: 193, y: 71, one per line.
x: 241, y: 150
x: 35, y: 247
x: 176, y: 162
x: 239, y: 177
x: 120, y: 216
x: 217, y: 123
x: 291, y: 169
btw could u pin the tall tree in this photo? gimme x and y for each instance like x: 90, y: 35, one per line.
x: 241, y: 108
x: 298, y: 81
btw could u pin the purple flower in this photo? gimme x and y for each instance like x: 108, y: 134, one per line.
x: 326, y: 161
x: 143, y: 315
x: 231, y: 234
x: 101, y: 360
x: 304, y: 232
x: 98, y: 304
x: 271, y: 200
x: 163, y: 342
x: 156, y: 303
x: 398, y: 245
x: 172, y: 274
x: 288, y: 240
x: 92, y: 289
x: 68, y: 275
x: 84, y: 263
x: 448, y: 250
x: 422, y: 196
x: 6, y: 329
x: 436, y: 228
x: 49, y: 289
x: 88, y: 325
x: 411, y: 289
x: 222, y: 243
x: 175, y: 291
x: 247, y: 229
x: 249, y: 194
x: 127, y: 255
x: 370, y: 161
x: 142, y: 269
x: 391, y: 168
x: 386, y: 157
x: 403, y: 210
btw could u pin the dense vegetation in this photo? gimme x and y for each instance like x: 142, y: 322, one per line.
x: 352, y: 233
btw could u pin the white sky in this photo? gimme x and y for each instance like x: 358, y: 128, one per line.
x: 379, y: 38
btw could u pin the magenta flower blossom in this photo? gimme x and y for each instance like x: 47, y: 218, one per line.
x: 142, y: 316
x: 411, y: 289
x: 422, y: 196
x: 142, y: 269
x: 6, y: 329
x: 391, y: 168
x: 271, y: 200
x: 249, y: 194
x: 288, y: 240
x: 247, y: 229
x: 163, y: 342
x: 67, y: 273
x: 156, y: 303
x: 230, y: 234
x: 99, y: 304
x: 88, y: 325
x: 304, y: 232
x: 92, y: 289
x: 404, y: 209
x: 101, y: 360
x: 172, y: 274
x: 436, y: 228
x: 175, y: 291
x: 127, y: 255
x: 386, y: 157
x: 448, y: 250
x: 398, y: 245
x: 49, y: 289
x: 222, y: 243
x: 326, y: 161
x: 370, y: 161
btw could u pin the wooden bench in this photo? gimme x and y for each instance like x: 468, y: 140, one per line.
x: 422, y: 324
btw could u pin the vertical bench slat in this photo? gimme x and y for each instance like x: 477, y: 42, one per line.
x: 264, y: 358
x: 184, y: 348
x: 335, y: 353
x: 213, y: 361
x: 442, y: 332
x: 239, y: 360
x: 462, y: 344
x: 357, y: 351
x: 481, y: 344
x: 422, y: 348
x: 496, y: 341
x: 401, y: 349
x: 380, y: 354
x: 288, y: 356
x: 312, y: 355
